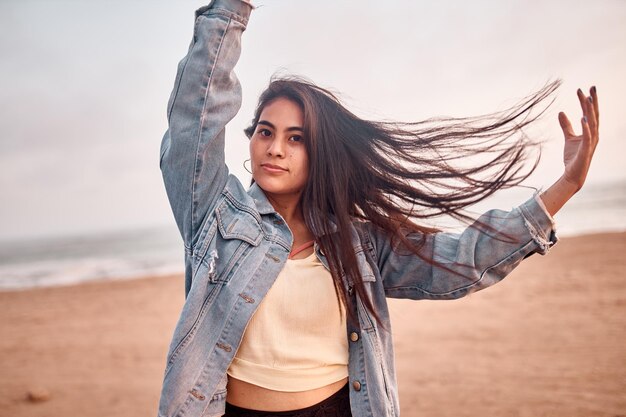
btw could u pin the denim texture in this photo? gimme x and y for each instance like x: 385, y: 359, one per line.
x: 236, y: 243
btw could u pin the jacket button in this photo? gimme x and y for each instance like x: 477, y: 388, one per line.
x: 197, y: 394
x: 223, y: 346
x: 354, y: 336
x: 356, y: 385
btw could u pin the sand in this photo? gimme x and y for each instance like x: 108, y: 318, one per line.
x: 550, y: 340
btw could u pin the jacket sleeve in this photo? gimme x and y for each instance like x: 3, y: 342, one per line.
x: 206, y: 96
x: 477, y: 258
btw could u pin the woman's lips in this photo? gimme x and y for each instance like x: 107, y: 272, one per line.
x: 273, y: 168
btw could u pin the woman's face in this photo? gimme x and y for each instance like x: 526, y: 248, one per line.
x: 280, y: 163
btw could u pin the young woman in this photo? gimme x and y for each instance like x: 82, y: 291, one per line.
x: 286, y: 282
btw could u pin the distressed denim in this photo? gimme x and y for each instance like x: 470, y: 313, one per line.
x: 236, y: 243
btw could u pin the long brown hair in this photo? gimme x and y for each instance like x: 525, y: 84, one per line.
x: 391, y: 172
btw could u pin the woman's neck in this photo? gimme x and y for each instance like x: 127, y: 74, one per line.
x: 290, y: 208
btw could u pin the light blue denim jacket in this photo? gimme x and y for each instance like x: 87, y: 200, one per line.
x: 236, y: 243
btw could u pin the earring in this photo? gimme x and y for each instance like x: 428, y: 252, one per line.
x: 246, y: 168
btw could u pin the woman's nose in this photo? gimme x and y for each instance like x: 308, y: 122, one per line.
x: 276, y: 148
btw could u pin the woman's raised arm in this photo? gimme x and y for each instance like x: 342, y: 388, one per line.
x: 462, y: 263
x: 206, y: 96
x: 476, y: 258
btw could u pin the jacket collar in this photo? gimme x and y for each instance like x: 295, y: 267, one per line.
x: 263, y: 205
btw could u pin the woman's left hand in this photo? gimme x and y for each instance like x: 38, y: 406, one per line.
x: 579, y: 149
x: 577, y: 153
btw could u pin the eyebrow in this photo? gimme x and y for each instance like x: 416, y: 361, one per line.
x: 289, y: 129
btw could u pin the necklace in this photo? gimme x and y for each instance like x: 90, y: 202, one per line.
x: 301, y: 248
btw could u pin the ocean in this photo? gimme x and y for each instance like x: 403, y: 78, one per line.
x: 159, y: 251
x: 104, y: 256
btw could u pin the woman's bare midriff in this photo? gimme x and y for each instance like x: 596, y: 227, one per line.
x: 246, y: 395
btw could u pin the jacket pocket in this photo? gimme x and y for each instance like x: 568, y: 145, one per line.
x: 239, y: 231
x: 238, y: 222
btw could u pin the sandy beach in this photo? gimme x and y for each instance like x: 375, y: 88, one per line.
x: 550, y: 340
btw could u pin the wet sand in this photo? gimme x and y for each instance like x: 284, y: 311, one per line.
x: 550, y: 340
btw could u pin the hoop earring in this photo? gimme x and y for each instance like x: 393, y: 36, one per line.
x: 244, y: 166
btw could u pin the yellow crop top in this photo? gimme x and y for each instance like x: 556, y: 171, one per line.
x: 296, y: 340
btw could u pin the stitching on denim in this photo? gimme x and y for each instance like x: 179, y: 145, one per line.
x: 278, y: 240
x: 254, y: 241
x: 535, y: 233
x: 177, y: 84
x: 373, y: 335
x: 202, y: 121
x: 466, y: 288
x: 233, y: 200
x: 192, y: 330
x: 543, y: 243
x: 369, y: 245
x: 227, y: 13
x: 235, y: 262
x: 204, y: 239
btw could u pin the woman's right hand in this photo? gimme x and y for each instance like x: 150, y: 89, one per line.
x: 577, y: 152
x: 579, y: 149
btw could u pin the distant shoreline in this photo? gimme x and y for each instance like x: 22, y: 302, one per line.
x: 170, y: 273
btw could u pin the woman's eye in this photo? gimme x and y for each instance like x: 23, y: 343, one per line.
x: 296, y: 138
x: 264, y: 132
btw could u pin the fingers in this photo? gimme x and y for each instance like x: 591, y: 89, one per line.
x: 589, y: 106
x: 596, y: 106
x: 586, y: 132
x: 591, y: 115
x: 568, y: 131
x: 584, y: 103
x: 581, y: 99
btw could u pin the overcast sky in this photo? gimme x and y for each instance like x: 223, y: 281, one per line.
x: 85, y: 86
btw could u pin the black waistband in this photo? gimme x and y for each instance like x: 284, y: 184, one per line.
x: 337, y: 404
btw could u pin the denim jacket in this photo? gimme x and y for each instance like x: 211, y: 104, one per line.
x: 236, y: 243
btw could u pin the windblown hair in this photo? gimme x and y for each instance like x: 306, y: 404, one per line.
x: 389, y: 173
